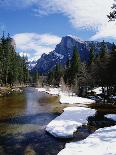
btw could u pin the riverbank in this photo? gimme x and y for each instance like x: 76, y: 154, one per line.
x: 23, y: 118
x: 102, y: 142
x: 68, y: 123
x: 4, y: 91
x: 66, y: 97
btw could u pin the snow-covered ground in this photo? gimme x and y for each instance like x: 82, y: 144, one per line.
x: 40, y: 89
x: 64, y: 98
x: 102, y: 142
x: 67, y: 123
x: 111, y: 116
x: 53, y: 91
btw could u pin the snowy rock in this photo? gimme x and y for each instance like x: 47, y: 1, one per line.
x: 102, y: 142
x: 111, y: 116
x: 96, y: 90
x: 67, y: 123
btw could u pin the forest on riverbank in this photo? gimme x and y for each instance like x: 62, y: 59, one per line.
x: 78, y: 76
x: 13, y: 67
x: 75, y: 75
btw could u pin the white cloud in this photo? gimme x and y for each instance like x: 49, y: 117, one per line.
x: 84, y: 14
x: 89, y: 14
x: 34, y: 45
x: 106, y: 31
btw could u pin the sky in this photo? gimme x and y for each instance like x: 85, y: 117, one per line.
x: 38, y: 25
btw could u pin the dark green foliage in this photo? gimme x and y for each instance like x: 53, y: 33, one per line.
x: 91, y: 55
x: 112, y: 66
x: 13, y: 67
x: 35, y: 77
x: 55, y: 75
x: 101, y: 71
x: 75, y: 64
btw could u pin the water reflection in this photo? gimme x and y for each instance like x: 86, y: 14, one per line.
x: 23, y: 118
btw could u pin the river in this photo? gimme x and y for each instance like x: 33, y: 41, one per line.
x: 23, y: 118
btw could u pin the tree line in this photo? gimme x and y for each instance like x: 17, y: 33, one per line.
x: 13, y: 67
x: 80, y: 76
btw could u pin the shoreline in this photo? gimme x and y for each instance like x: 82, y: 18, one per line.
x: 5, y: 91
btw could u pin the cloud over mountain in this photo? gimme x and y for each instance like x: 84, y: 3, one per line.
x: 35, y: 44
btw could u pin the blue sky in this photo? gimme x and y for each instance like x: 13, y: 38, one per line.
x: 37, y: 26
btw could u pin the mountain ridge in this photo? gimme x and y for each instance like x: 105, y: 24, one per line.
x: 64, y: 50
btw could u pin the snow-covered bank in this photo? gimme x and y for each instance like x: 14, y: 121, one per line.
x: 74, y: 99
x: 111, y: 116
x: 102, y: 142
x: 67, y: 123
x: 66, y: 97
x: 41, y: 89
x: 53, y: 91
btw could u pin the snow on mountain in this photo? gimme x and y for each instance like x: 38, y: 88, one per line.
x: 59, y: 55
x: 64, y: 51
x: 31, y: 64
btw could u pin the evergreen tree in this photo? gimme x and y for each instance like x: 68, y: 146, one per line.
x: 67, y: 72
x: 112, y: 66
x: 75, y: 64
x: 13, y: 67
x: 91, y: 55
x: 58, y: 73
x: 100, y: 67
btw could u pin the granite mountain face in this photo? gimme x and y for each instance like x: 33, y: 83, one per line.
x: 64, y: 51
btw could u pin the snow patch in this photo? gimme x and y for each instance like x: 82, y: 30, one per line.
x: 74, y: 99
x: 102, y: 142
x: 53, y: 91
x: 76, y: 38
x: 66, y: 97
x: 67, y: 123
x: 59, y: 55
x: 40, y: 89
x: 96, y: 90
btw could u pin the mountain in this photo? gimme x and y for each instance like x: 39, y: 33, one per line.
x: 64, y: 50
x: 31, y: 64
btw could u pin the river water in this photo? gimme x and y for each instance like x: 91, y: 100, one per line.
x: 23, y: 118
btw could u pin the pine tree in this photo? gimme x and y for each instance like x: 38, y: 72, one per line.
x: 58, y: 72
x: 91, y: 55
x: 13, y: 68
x: 75, y: 64
x: 112, y: 66
x: 100, y: 67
